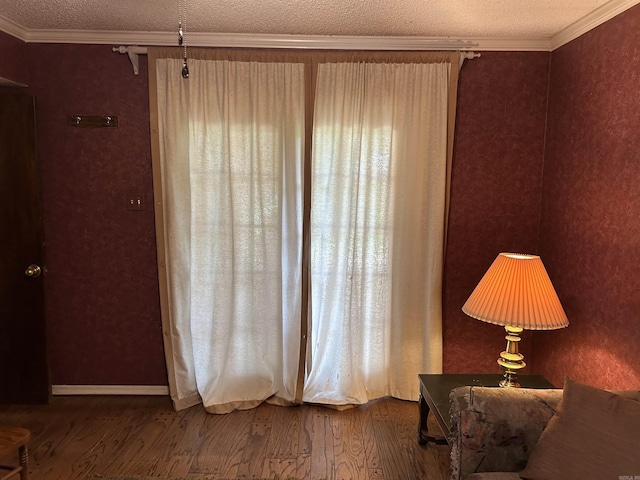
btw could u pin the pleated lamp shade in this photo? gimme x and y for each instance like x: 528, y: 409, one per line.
x: 516, y: 291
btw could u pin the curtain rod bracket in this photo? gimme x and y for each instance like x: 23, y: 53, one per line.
x: 466, y: 55
x: 133, y: 53
x: 469, y: 55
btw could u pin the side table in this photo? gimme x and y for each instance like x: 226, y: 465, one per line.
x: 434, y: 397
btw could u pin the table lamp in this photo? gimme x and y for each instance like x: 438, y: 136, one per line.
x: 516, y: 292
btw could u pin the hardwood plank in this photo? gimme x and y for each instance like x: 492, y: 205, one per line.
x: 140, y: 456
x: 125, y: 431
x: 389, y: 448
x: 187, y: 441
x: 222, y: 442
x: 284, y: 441
x: 265, y: 412
x: 306, y: 430
x: 253, y: 454
x: 414, y: 456
x: 280, y: 468
x: 73, y: 450
x: 370, y: 445
x: 303, y: 466
x: 375, y: 474
x: 349, y: 445
x: 57, y: 428
x: 75, y: 437
x: 321, y: 436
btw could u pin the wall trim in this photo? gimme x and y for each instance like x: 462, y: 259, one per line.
x: 197, y: 39
x: 240, y: 40
x: 589, y: 22
x: 12, y: 28
x: 109, y: 390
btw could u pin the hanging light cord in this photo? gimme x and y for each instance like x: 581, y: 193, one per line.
x: 182, y: 28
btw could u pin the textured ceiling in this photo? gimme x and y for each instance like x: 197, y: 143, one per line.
x: 422, y: 18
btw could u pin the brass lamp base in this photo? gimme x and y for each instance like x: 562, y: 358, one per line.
x: 510, y: 380
x: 511, y: 360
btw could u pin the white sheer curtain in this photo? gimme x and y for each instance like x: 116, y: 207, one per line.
x: 231, y: 142
x: 241, y: 149
x: 379, y: 183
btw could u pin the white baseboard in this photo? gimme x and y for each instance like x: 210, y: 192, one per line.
x: 109, y: 390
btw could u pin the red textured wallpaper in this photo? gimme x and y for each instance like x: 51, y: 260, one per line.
x: 590, y: 228
x: 495, y: 192
x: 14, y: 61
x: 102, y: 294
x: 102, y: 290
x: 102, y: 284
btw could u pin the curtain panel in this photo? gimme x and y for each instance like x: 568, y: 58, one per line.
x: 301, y: 201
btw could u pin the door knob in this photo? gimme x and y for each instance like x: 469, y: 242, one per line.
x: 33, y: 271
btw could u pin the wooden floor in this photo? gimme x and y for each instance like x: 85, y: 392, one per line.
x: 76, y: 437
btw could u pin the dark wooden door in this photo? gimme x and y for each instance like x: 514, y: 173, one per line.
x: 24, y: 372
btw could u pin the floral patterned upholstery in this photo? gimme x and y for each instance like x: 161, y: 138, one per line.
x: 495, y: 429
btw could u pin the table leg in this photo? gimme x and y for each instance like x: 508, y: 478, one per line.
x: 23, y: 459
x: 423, y: 431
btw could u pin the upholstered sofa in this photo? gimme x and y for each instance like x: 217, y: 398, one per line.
x: 578, y: 432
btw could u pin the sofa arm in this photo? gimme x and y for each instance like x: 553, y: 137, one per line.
x: 495, y: 429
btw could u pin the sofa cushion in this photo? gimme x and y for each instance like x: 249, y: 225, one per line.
x: 594, y: 435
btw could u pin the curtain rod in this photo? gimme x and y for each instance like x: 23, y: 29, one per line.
x: 133, y: 51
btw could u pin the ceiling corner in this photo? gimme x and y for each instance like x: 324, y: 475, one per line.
x: 591, y: 21
x: 13, y: 29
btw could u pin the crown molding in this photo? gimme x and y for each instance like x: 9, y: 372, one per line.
x: 197, y: 39
x: 12, y: 28
x: 498, y: 44
x: 591, y: 21
x: 238, y: 40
